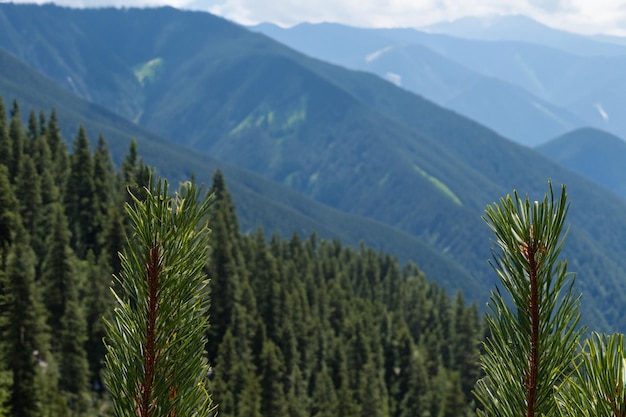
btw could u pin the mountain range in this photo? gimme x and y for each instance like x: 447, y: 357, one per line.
x: 305, y: 145
x: 526, y: 81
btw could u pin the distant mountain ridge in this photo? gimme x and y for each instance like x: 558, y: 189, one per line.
x: 524, y: 29
x: 482, y: 78
x: 593, y: 153
x: 347, y: 139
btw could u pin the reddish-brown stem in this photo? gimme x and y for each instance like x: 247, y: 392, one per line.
x: 530, y: 250
x: 146, y: 406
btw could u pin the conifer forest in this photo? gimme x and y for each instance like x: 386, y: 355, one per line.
x: 299, y: 326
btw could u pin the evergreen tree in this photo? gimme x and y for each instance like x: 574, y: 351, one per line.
x: 534, y: 337
x: 42, y: 123
x: 58, y: 276
x: 104, y: 187
x: 224, y: 267
x: 25, y: 330
x: 9, y: 215
x: 324, y: 397
x: 267, y: 286
x: 5, y: 374
x: 48, y: 196
x: 16, y: 139
x: 98, y: 304
x: 273, y: 402
x: 236, y: 369
x: 452, y: 401
x: 465, y: 352
x: 415, y: 400
x: 372, y: 392
x: 73, y: 357
x: 28, y: 193
x: 347, y: 403
x: 80, y: 196
x: 32, y: 134
x: 135, y: 175
x: 66, y: 318
x: 114, y: 236
x: 58, y: 152
x: 5, y: 143
x: 249, y: 404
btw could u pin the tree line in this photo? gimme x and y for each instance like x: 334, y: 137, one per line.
x: 298, y: 326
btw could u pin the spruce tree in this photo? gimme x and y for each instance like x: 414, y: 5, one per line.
x: 415, y: 400
x: 465, y: 345
x: 5, y: 142
x: 224, y: 268
x: 533, y: 338
x: 80, y: 196
x: 155, y: 363
x: 16, y: 139
x: 58, y: 152
x: 98, y: 303
x: 5, y: 374
x: 28, y: 193
x: 273, y: 401
x: 8, y: 214
x: 104, y: 187
x: 26, y: 330
x: 74, y: 369
x: 372, y: 392
x: 59, y: 276
x: 324, y: 397
x: 32, y: 133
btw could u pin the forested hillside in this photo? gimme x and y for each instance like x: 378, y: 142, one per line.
x: 299, y: 327
x: 345, y: 139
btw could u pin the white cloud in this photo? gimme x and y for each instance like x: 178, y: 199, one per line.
x: 598, y: 16
x: 102, y: 3
x: 585, y: 16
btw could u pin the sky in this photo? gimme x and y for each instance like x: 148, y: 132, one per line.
x: 580, y: 16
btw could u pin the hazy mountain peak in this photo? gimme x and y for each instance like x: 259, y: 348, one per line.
x: 524, y: 29
x: 488, y: 27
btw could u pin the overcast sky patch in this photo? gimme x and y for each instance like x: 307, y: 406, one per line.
x: 583, y: 16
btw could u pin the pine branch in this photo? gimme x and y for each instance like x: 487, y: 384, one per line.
x: 533, y: 335
x: 155, y: 362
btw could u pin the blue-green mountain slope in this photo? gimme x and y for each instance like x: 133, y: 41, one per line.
x: 346, y: 139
